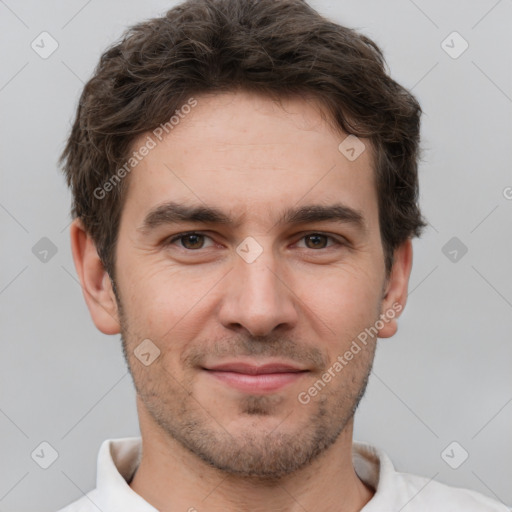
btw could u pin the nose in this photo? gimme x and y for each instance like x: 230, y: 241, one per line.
x: 258, y: 297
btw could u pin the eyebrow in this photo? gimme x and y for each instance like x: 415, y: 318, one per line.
x: 173, y: 213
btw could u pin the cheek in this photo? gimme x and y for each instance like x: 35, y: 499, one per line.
x: 346, y: 301
x: 169, y: 303
x: 166, y: 301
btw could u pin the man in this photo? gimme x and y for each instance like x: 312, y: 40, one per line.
x: 244, y: 178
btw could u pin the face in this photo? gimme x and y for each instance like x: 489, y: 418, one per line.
x: 249, y: 255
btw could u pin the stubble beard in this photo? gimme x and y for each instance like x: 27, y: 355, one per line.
x: 253, y: 453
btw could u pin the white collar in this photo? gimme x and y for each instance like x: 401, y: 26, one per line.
x: 119, y: 458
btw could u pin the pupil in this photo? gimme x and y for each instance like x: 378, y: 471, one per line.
x: 196, y: 241
x: 316, y: 239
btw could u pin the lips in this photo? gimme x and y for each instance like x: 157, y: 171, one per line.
x: 249, y: 369
x: 253, y: 378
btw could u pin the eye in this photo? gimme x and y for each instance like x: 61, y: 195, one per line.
x: 194, y: 241
x: 319, y: 241
x: 190, y: 241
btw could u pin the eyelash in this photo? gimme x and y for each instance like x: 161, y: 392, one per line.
x: 184, y: 235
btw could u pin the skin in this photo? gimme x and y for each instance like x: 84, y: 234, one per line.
x: 206, y: 444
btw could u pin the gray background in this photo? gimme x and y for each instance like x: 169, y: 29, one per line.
x: 444, y: 377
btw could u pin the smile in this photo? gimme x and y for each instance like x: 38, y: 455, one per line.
x: 256, y: 379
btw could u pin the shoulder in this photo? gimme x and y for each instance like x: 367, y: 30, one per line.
x: 395, y: 490
x: 424, y: 494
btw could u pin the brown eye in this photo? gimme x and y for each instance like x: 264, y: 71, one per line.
x: 190, y: 241
x: 316, y: 241
x: 193, y: 241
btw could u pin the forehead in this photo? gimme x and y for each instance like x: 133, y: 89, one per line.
x: 247, y: 154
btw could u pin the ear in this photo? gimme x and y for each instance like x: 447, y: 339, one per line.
x: 95, y: 281
x: 395, y: 291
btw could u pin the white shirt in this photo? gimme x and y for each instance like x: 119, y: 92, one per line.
x: 119, y: 458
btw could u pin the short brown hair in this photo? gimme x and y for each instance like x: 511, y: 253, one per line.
x: 274, y: 47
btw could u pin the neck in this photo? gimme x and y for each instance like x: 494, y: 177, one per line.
x: 173, y: 479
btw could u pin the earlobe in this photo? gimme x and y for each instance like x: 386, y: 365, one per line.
x: 94, y: 279
x: 395, y: 294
